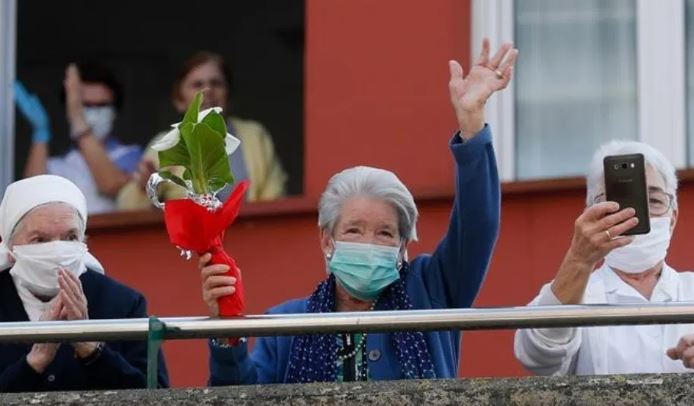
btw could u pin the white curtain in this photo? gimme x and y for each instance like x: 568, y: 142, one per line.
x: 575, y: 83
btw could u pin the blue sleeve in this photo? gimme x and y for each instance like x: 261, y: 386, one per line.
x: 455, y: 271
x: 127, y: 367
x: 234, y: 365
x: 20, y: 377
x: 128, y: 162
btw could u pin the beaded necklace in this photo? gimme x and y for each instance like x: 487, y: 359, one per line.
x: 362, y: 342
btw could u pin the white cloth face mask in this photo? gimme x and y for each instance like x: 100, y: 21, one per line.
x: 100, y: 119
x: 645, y: 251
x: 37, y: 265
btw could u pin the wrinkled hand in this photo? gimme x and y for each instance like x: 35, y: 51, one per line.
x: 145, y: 169
x: 214, y: 283
x: 595, y: 231
x: 31, y: 108
x: 42, y: 354
x: 72, y: 296
x: 75, y: 307
x: 684, y: 351
x: 470, y: 93
x: 74, y: 107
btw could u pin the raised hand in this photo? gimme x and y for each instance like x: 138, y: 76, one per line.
x: 75, y: 308
x: 72, y: 296
x: 470, y: 93
x: 145, y: 169
x: 31, y: 108
x: 596, y: 232
x: 74, y: 107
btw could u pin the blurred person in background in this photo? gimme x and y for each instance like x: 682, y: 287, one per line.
x: 47, y: 273
x: 98, y: 163
x: 634, y: 271
x: 255, y: 160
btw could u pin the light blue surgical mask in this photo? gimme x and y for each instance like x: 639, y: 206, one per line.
x: 364, y: 270
x: 100, y: 119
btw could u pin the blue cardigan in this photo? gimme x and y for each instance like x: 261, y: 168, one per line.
x: 449, y: 278
x: 121, y: 365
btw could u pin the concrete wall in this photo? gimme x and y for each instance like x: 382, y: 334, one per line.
x: 614, y: 390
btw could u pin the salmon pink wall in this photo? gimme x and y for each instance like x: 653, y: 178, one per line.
x: 377, y: 87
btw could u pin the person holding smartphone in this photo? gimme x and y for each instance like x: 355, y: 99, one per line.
x: 633, y: 271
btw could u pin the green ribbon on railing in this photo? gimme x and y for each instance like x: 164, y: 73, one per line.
x: 155, y: 336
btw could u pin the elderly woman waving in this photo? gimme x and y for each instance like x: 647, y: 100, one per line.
x: 366, y: 219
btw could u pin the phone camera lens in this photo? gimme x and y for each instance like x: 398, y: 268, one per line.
x: 624, y: 166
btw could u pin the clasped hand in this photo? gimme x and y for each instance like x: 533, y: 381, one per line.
x: 70, y: 304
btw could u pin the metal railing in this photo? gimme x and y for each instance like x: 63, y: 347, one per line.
x: 155, y: 330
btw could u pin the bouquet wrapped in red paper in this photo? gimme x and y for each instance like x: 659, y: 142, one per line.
x: 200, y: 145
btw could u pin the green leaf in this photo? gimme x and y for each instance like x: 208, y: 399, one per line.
x: 186, y: 130
x: 177, y: 155
x: 216, y: 122
x: 209, y: 164
x: 175, y: 179
x: 193, y: 110
x: 217, y: 184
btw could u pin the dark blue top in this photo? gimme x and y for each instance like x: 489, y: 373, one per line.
x: 121, y: 365
x: 449, y: 278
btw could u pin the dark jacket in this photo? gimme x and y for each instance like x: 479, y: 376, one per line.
x: 121, y: 365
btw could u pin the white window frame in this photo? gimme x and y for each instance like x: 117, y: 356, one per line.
x: 661, y: 77
x: 8, y: 33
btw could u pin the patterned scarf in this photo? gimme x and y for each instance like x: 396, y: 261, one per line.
x: 313, y: 358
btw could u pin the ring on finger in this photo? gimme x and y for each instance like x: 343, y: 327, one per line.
x: 609, y: 236
x: 497, y: 72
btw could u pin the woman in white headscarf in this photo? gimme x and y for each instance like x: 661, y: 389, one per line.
x: 47, y: 273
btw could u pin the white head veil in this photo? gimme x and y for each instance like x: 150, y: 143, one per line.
x: 23, y: 195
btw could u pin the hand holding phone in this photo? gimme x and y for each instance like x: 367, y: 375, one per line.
x: 625, y: 183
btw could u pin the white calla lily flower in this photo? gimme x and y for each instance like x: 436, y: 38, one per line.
x: 231, y: 143
x: 168, y: 141
x: 171, y: 139
x: 205, y: 112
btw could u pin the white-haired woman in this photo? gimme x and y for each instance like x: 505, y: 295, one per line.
x: 366, y: 219
x: 634, y: 271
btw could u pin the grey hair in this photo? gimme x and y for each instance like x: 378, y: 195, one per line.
x: 368, y: 182
x: 20, y: 223
x: 653, y: 157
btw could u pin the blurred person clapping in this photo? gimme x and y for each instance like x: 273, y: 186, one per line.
x: 97, y: 162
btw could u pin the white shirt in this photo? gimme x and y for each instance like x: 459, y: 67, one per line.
x: 74, y: 167
x: 609, y: 349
